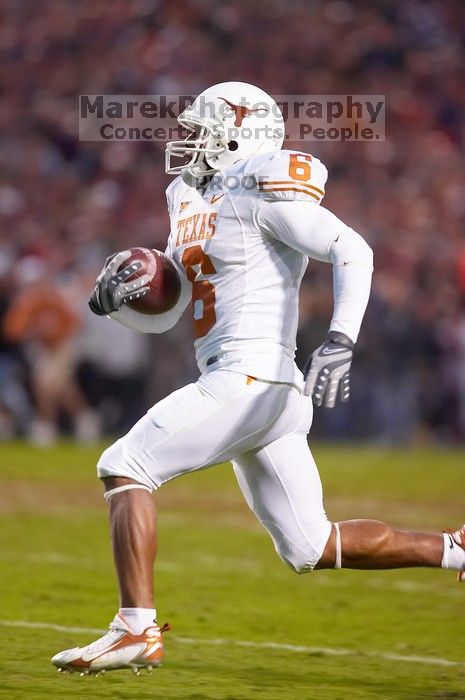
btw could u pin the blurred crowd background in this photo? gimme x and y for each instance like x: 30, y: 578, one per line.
x: 65, y: 205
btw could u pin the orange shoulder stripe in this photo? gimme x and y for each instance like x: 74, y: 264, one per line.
x: 293, y: 183
x: 292, y: 189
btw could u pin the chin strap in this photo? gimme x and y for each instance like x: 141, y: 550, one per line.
x: 109, y: 494
x: 338, y: 562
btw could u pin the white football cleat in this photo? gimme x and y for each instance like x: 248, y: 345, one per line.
x: 118, y: 648
x: 459, y: 538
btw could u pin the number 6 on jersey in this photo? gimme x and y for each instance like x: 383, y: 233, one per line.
x: 196, y: 262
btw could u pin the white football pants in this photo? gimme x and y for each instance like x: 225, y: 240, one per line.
x: 262, y: 428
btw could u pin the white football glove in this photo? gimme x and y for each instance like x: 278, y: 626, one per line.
x: 327, y: 371
x: 111, y: 289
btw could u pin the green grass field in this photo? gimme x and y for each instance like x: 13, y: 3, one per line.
x: 244, y: 626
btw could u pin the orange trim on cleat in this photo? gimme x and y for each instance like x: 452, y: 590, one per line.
x: 119, y: 648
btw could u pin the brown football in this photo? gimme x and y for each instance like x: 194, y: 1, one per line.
x: 164, y: 283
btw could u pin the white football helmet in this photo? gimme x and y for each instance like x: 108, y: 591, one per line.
x: 227, y: 122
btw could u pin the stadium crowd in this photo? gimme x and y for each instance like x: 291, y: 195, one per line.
x: 66, y: 204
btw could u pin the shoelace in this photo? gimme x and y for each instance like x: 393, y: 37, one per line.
x: 114, y: 627
x: 112, y: 636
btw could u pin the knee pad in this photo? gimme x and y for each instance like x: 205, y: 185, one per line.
x: 120, y: 460
x: 295, y: 559
x: 109, y: 459
x: 302, y: 556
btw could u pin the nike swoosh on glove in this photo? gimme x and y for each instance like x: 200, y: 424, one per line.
x: 327, y: 371
x: 111, y: 288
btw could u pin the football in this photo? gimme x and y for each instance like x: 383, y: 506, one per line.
x: 164, y: 284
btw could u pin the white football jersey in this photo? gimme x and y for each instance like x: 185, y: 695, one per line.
x: 241, y: 247
x: 245, y: 282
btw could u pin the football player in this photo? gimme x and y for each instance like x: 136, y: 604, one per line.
x: 245, y: 218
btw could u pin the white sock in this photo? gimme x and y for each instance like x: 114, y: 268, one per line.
x: 454, y: 555
x: 139, y: 619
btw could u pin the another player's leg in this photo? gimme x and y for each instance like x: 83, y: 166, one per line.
x: 282, y: 486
